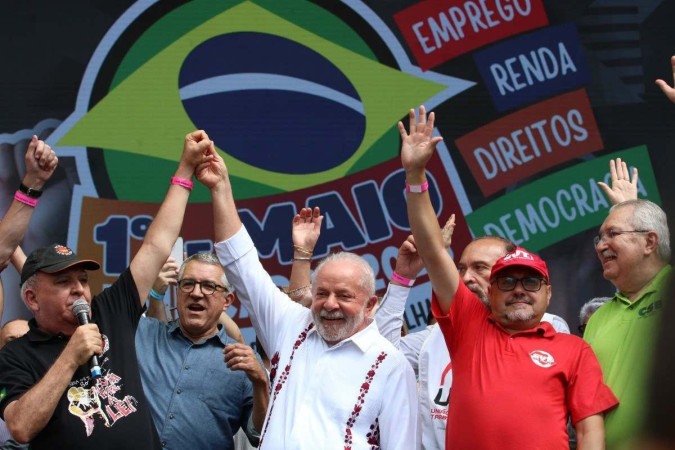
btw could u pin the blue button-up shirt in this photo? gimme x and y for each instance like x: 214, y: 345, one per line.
x: 195, y: 399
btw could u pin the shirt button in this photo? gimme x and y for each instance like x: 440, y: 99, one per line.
x: 171, y: 416
x: 178, y: 391
x: 186, y: 367
x: 163, y: 443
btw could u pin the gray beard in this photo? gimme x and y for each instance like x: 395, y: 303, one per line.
x: 331, y: 334
x: 481, y: 294
x: 520, y: 316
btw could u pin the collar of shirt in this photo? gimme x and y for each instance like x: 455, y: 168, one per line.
x: 221, y: 335
x: 35, y: 334
x: 657, y: 283
x: 362, y: 339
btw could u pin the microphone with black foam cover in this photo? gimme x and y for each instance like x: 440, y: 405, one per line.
x: 81, y: 311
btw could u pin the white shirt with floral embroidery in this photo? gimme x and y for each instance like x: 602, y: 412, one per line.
x: 357, y: 394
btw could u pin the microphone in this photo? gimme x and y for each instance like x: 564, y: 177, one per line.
x: 81, y: 311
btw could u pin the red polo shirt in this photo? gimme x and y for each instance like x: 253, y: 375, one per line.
x: 515, y: 391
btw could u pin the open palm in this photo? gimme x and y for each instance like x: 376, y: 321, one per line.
x: 419, y: 144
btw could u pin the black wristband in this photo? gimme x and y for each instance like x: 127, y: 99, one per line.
x: 32, y: 193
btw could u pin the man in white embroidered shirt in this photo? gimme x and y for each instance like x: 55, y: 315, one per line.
x: 336, y: 382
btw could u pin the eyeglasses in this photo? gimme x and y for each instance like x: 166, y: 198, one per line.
x: 582, y: 328
x: 187, y: 285
x: 531, y: 284
x: 611, y: 234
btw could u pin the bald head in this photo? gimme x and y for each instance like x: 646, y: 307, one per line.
x: 476, y: 261
x: 12, y: 330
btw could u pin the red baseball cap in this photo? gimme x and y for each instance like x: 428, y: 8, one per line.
x: 520, y: 258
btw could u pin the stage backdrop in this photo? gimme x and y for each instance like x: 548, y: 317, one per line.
x: 302, y: 98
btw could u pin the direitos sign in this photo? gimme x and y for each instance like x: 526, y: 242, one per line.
x: 531, y: 140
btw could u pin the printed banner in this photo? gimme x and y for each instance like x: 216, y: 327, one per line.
x: 528, y: 68
x: 531, y: 140
x: 561, y: 205
x: 302, y: 99
x: 438, y: 31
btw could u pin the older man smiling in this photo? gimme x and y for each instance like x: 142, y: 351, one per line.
x: 337, y: 383
x: 633, y: 246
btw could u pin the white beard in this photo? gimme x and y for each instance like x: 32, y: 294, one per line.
x: 332, y: 333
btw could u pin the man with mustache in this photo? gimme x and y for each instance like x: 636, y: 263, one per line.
x: 515, y: 380
x: 426, y: 350
x: 336, y: 382
x: 633, y: 246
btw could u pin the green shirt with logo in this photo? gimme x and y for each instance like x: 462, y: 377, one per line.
x: 622, y: 335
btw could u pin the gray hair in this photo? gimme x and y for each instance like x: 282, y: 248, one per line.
x: 649, y: 216
x: 30, y: 283
x: 366, y: 280
x: 590, y: 307
x: 205, y: 258
x: 509, y: 245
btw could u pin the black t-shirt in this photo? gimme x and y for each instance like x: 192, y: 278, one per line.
x: 111, y: 412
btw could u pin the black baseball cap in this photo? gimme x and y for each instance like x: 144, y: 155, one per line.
x: 52, y: 259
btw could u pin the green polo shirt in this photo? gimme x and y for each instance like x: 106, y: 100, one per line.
x: 622, y: 335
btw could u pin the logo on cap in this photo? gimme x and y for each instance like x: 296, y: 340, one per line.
x: 518, y: 254
x: 520, y: 257
x: 63, y: 250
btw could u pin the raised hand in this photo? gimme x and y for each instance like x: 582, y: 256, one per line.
x: 623, y: 188
x: 408, y: 262
x: 447, y: 231
x: 669, y: 91
x: 418, y: 145
x: 212, y: 170
x: 41, y: 161
x: 168, y: 276
x: 307, y: 228
x: 195, y: 150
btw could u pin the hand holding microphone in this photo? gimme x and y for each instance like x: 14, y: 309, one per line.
x: 81, y: 311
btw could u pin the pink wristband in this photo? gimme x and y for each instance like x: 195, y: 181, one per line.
x: 417, y: 188
x: 402, y: 280
x: 26, y: 200
x: 183, y: 182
